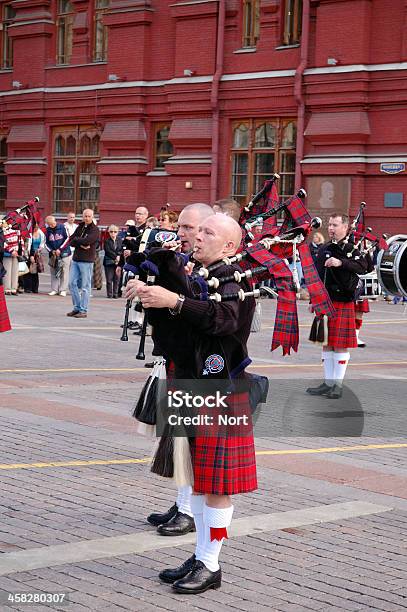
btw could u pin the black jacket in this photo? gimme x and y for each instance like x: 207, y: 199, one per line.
x: 112, y: 250
x: 341, y: 282
x: 85, y: 236
x: 204, y: 330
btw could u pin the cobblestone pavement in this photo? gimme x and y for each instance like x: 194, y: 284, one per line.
x: 326, y: 530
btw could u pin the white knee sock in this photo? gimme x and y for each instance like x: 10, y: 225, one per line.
x: 197, y: 507
x: 214, y: 518
x: 328, y: 362
x: 184, y: 500
x: 340, y: 364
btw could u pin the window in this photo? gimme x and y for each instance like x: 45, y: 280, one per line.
x: 7, y: 43
x: 292, y: 22
x: 100, y: 32
x: 3, y: 175
x: 163, y: 149
x: 64, y: 31
x: 260, y: 148
x: 75, y: 180
x: 251, y: 21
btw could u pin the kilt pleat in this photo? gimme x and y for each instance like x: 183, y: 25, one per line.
x: 341, y: 327
x: 223, y: 456
x: 4, y: 318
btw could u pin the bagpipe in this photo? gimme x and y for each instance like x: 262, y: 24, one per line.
x: 150, y: 238
x: 276, y: 243
x: 23, y: 218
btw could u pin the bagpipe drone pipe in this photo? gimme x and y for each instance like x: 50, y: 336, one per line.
x: 271, y: 249
x: 24, y: 218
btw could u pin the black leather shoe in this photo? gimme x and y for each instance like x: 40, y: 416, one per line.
x: 199, y: 580
x: 149, y: 364
x: 335, y: 392
x: 361, y: 344
x: 160, y: 519
x: 179, y: 525
x: 322, y: 389
x: 134, y: 325
x: 171, y: 575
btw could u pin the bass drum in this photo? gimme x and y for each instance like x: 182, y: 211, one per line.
x: 392, y: 266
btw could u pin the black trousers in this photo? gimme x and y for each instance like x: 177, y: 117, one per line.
x: 112, y: 281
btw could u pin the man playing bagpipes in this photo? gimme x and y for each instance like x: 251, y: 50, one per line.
x: 206, y: 340
x: 178, y: 519
x: 339, y: 263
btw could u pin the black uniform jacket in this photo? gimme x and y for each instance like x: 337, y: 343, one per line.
x: 341, y: 282
x: 207, y: 339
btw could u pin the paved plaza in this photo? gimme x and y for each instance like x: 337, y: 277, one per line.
x: 326, y: 530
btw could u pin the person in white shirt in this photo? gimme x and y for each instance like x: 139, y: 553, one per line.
x: 70, y: 227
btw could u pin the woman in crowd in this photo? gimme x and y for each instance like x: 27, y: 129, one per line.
x: 35, y: 246
x: 13, y: 247
x: 113, y: 249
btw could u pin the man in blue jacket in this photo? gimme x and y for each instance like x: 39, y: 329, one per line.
x: 59, y: 256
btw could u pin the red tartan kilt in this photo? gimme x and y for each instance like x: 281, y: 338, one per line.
x: 341, y: 327
x: 362, y: 306
x: 4, y: 318
x: 226, y: 464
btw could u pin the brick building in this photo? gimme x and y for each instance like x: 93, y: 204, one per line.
x: 115, y: 103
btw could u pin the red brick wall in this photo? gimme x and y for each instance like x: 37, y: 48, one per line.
x: 157, y: 41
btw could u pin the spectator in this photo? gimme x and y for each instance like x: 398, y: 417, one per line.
x: 316, y: 243
x: 70, y: 225
x: 141, y: 216
x: 84, y: 241
x: 35, y: 246
x: 113, y: 249
x: 152, y: 223
x: 56, y: 239
x: 12, y: 247
x: 168, y: 220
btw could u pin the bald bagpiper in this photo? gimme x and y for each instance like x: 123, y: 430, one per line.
x: 213, y: 346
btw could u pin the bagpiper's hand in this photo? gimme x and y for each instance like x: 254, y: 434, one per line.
x: 126, y: 252
x: 333, y: 262
x: 132, y: 288
x: 157, y: 297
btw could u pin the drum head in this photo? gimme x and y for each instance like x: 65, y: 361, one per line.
x: 392, y: 266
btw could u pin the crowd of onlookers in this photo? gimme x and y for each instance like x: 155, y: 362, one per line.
x: 57, y: 247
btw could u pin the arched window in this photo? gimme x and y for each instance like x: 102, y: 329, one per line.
x: 75, y: 179
x: 260, y: 148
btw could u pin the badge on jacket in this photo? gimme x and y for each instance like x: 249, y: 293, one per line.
x: 213, y: 365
